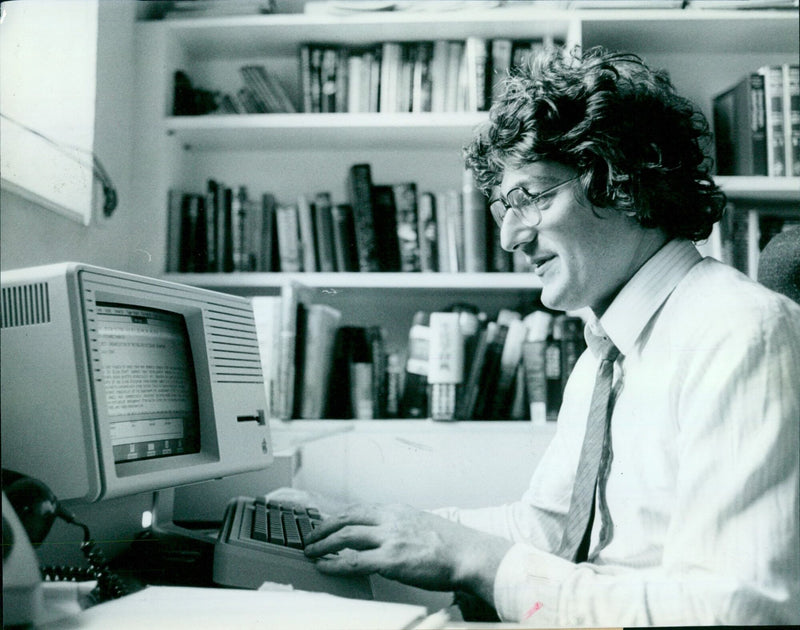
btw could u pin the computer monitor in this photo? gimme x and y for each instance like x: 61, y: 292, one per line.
x: 115, y: 384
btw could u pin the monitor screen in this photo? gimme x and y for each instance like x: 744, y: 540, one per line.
x: 145, y: 382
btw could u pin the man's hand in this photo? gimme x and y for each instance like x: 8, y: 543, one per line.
x: 410, y: 546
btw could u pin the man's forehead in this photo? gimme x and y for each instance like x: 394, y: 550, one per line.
x: 539, y: 174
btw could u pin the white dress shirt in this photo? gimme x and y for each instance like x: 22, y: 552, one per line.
x: 703, y: 490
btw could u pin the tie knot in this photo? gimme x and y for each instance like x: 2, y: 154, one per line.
x: 600, y: 343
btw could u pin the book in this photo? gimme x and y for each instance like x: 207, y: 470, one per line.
x: 499, y: 407
x: 489, y: 370
x: 774, y: 120
x: 421, y: 83
x: 474, y: 213
x: 344, y: 238
x: 553, y: 370
x: 414, y: 403
x: 305, y: 77
x: 314, y: 359
x: 239, y: 229
x: 476, y: 62
x: 308, y: 245
x: 391, y: 53
x: 455, y: 55
x: 360, y: 190
x: 288, y: 232
x: 445, y: 364
x: 267, y: 319
x: 376, y: 338
x: 791, y: 98
x: 294, y: 298
x: 269, y: 258
x: 174, y: 229
x: 427, y: 233
x: 327, y: 78
x: 362, y: 401
x: 225, y: 232
x: 323, y: 230
x: 192, y: 247
x: 740, y: 128
x: 405, y: 203
x: 438, y: 74
x: 356, y: 83
x: 213, y: 205
x: 384, y: 221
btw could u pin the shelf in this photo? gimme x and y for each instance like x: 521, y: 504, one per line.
x: 241, y: 132
x: 393, y: 281
x: 761, y: 188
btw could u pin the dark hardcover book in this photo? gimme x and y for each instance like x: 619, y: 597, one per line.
x: 226, y: 236
x: 323, y: 226
x: 314, y: 359
x: 239, y: 231
x: 427, y: 233
x: 193, y: 234
x: 499, y: 407
x: 212, y: 208
x: 269, y: 259
x: 342, y: 79
x: 174, y: 229
x: 344, y: 238
x: 360, y: 190
x: 338, y: 403
x: 384, y: 220
x: 295, y: 298
x: 414, y: 401
x: 740, y: 128
x: 315, y: 68
x: 490, y: 375
x: 405, y: 202
x: 572, y: 345
x: 376, y: 337
x: 350, y: 389
x: 552, y: 371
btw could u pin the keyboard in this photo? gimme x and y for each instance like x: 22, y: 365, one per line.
x: 263, y: 542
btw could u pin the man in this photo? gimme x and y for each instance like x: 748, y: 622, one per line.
x: 669, y: 494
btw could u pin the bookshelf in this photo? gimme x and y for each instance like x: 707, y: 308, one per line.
x: 705, y: 52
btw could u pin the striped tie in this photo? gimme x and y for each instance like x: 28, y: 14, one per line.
x: 574, y: 543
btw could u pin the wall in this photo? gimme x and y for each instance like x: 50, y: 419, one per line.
x: 32, y: 235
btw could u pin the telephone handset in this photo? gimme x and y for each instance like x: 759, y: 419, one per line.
x: 35, y: 509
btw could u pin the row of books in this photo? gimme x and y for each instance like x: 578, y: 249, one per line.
x: 381, y: 227
x: 757, y: 123
x: 458, y: 365
x: 260, y: 93
x: 426, y: 76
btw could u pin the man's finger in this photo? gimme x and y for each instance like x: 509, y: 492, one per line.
x: 348, y: 537
x: 352, y: 562
x: 354, y: 515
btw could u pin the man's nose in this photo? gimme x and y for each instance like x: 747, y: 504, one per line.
x: 514, y: 234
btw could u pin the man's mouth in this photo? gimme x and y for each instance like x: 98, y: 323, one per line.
x: 539, y: 262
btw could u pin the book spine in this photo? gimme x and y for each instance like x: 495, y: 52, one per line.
x: 389, y: 76
x: 344, y: 238
x: 439, y: 63
x: 305, y: 78
x: 328, y: 80
x: 487, y: 385
x: 267, y: 319
x: 308, y: 248
x: 791, y: 78
x: 268, y: 260
x: 445, y: 365
x: 226, y: 232
x: 384, y: 220
x: 572, y: 345
x: 454, y: 58
x: 773, y: 99
x: 360, y: 188
x: 422, y: 83
x: 500, y: 407
x: 355, y: 84
x: 174, y: 228
x: 318, y: 339
x: 552, y: 370
x: 288, y: 238
x: 315, y: 66
x: 405, y: 203
x: 323, y: 227
x: 361, y: 374
x: 475, y: 228
x: 476, y: 60
x: 376, y: 337
x: 212, y: 207
x: 500, y: 65
x: 427, y: 233
x: 758, y: 127
x: 415, y: 391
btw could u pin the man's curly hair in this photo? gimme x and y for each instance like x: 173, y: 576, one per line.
x: 637, y: 145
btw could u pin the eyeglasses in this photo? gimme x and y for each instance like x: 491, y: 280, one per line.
x: 527, y: 207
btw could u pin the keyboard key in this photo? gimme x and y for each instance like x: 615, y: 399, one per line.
x: 259, y: 531
x: 293, y: 538
x: 276, y: 534
x: 305, y: 526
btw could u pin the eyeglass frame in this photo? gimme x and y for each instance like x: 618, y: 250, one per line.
x: 532, y: 200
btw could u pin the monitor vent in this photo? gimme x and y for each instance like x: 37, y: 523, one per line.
x: 234, y: 356
x: 25, y: 305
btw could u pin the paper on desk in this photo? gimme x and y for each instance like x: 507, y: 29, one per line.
x: 187, y: 608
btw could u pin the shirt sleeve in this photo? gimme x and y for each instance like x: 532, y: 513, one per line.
x: 730, y: 551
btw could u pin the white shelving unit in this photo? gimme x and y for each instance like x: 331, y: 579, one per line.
x: 705, y: 51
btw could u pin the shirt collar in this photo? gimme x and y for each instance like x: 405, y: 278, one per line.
x: 640, y: 298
